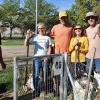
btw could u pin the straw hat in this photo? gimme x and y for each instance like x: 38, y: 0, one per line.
x: 91, y: 14
x: 62, y: 13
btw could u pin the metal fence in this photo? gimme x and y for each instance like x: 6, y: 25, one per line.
x: 20, y: 65
x: 67, y: 88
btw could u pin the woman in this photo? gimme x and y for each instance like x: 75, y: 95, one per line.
x: 42, y: 47
x: 78, y: 49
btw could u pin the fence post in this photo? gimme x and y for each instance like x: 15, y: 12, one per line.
x: 65, y: 76
x: 44, y: 79
x: 89, y: 75
x: 61, y: 86
x: 15, y: 81
x: 72, y: 83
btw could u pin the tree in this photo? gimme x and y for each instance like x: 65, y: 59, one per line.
x: 96, y: 9
x: 46, y: 12
x: 24, y: 16
x: 79, y: 10
x: 9, y: 10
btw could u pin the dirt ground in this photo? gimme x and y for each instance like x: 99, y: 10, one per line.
x: 15, y: 51
x: 9, y: 52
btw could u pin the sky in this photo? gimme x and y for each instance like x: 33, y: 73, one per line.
x: 61, y: 4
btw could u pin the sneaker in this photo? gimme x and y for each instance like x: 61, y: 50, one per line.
x: 42, y: 94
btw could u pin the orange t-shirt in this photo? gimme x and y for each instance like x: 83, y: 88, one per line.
x: 62, y: 35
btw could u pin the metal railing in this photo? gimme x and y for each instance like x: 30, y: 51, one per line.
x: 61, y: 69
x: 20, y: 63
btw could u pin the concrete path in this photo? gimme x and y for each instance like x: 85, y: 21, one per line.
x: 16, y: 51
x: 9, y: 52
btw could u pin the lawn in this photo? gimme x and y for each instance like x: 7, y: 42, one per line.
x: 15, y: 42
x: 6, y: 79
x: 12, y: 42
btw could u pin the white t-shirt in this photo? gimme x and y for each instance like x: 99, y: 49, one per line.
x: 41, y: 44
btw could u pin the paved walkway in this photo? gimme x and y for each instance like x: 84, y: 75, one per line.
x: 9, y: 52
x: 16, y: 51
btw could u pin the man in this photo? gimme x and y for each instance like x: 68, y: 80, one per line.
x: 1, y: 58
x: 93, y: 35
x: 62, y: 34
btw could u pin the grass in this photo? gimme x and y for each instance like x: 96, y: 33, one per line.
x: 15, y: 42
x: 6, y: 79
x: 12, y: 42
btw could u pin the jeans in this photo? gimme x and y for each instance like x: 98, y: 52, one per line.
x: 95, y: 66
x: 38, y: 74
x: 79, y: 68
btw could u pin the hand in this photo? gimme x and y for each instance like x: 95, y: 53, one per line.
x: 28, y: 31
x: 3, y: 65
x: 45, y: 59
x: 76, y: 47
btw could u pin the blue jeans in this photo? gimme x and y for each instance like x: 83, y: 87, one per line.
x: 96, y: 64
x: 79, y: 68
x: 37, y: 66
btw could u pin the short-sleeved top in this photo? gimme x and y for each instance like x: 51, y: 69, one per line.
x: 41, y: 44
x: 93, y: 42
x: 83, y: 49
x: 62, y: 35
x: 0, y: 38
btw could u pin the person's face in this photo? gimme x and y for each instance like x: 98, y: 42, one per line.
x: 41, y: 29
x: 63, y: 20
x: 91, y: 20
x: 78, y: 30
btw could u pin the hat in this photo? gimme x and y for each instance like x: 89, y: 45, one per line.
x: 62, y: 13
x: 91, y: 14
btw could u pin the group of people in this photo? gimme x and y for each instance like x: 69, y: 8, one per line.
x: 76, y: 41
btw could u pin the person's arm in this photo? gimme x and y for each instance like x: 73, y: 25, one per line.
x: 71, y: 46
x: 49, y: 46
x: 49, y: 50
x: 85, y: 49
x: 0, y: 38
x: 52, y: 33
x: 1, y: 59
x: 28, y: 37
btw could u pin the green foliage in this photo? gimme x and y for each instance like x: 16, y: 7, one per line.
x: 80, y: 8
x: 6, y: 79
x: 25, y: 17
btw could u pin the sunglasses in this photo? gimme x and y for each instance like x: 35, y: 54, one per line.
x: 90, y: 18
x: 64, y: 17
x: 77, y: 28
